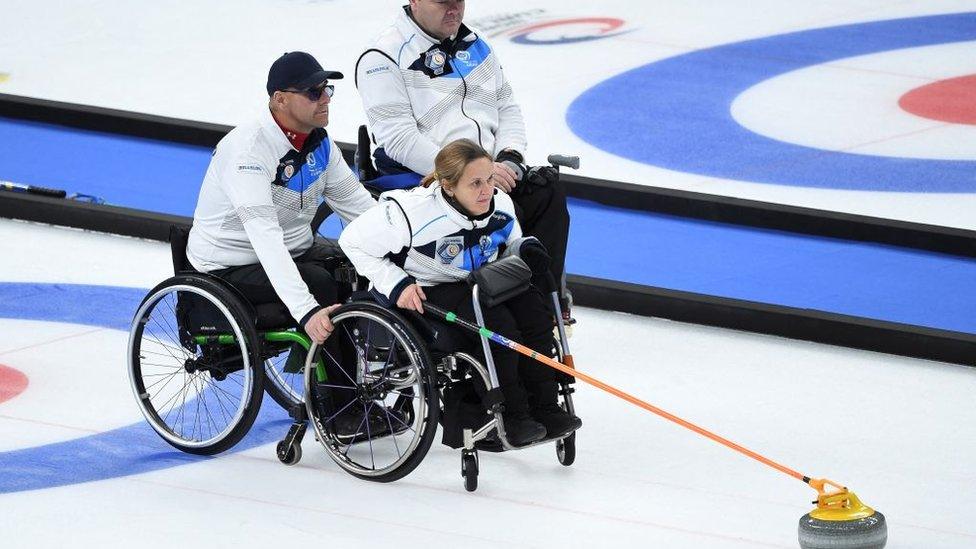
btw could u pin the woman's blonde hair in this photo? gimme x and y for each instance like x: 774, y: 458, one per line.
x: 450, y: 162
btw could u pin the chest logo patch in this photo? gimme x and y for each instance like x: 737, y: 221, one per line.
x: 287, y: 172
x: 434, y: 60
x: 485, y: 244
x: 449, y: 247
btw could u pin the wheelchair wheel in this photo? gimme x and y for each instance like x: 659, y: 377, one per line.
x: 284, y: 379
x: 469, y: 469
x: 191, y: 360
x: 566, y: 450
x: 386, y: 393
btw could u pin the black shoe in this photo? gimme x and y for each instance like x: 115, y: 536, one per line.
x: 521, y: 429
x: 349, y: 426
x: 558, y: 422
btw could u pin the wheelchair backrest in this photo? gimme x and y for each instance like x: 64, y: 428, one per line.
x: 178, y: 236
x: 364, y: 164
x: 375, y: 182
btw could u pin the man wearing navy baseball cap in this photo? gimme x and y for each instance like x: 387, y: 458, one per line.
x: 297, y: 70
x: 261, y: 191
x: 296, y: 76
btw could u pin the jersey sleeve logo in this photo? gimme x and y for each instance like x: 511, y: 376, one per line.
x: 378, y: 69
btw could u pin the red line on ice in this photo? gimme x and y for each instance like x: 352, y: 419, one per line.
x: 952, y: 100
x: 12, y: 383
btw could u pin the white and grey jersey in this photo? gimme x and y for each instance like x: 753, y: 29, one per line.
x: 257, y: 200
x: 420, y: 94
x: 417, y: 236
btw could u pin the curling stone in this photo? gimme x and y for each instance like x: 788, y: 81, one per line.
x: 841, y: 521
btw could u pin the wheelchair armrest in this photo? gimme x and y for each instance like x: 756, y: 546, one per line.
x: 501, y: 280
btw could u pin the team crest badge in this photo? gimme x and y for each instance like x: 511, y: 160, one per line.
x: 435, y: 60
x: 449, y: 248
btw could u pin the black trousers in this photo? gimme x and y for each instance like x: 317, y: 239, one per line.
x: 315, y: 267
x: 526, y: 319
x: 544, y: 215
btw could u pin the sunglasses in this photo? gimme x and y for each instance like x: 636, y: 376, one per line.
x: 314, y: 94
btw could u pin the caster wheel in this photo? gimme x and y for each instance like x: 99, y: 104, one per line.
x: 566, y: 450
x: 289, y: 454
x: 469, y: 470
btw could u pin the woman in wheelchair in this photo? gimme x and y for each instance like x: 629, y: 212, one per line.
x: 421, y: 245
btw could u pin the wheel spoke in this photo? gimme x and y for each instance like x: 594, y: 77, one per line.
x: 170, y: 377
x: 335, y: 415
x: 358, y: 429
x: 168, y: 348
x: 181, y: 391
x: 369, y: 437
x: 396, y: 446
x: 336, y: 386
x: 217, y: 390
x: 206, y: 407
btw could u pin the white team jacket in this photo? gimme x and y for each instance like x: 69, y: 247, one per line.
x: 420, y: 94
x: 417, y: 236
x: 257, y: 200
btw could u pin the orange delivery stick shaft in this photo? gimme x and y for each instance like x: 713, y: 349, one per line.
x: 522, y: 349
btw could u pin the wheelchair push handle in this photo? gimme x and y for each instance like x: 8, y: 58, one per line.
x: 564, y: 161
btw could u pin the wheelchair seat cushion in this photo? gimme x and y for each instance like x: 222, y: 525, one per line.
x: 395, y: 181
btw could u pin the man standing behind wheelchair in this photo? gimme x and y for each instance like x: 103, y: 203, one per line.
x: 428, y: 80
x: 421, y: 244
x: 261, y: 190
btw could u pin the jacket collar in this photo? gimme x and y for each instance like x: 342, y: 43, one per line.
x: 272, y: 129
x: 281, y: 141
x: 408, y: 27
x: 460, y: 219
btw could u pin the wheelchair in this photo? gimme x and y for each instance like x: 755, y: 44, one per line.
x: 200, y: 356
x: 409, y: 371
